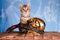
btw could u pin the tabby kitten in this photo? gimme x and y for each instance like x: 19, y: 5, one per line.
x: 25, y: 15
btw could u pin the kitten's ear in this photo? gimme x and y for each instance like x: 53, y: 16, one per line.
x: 21, y: 5
x: 29, y: 4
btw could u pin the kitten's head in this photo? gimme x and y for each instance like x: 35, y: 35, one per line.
x: 25, y: 8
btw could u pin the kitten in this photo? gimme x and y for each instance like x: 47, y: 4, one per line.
x: 25, y: 15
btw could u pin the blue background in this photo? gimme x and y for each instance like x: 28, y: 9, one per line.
x: 48, y: 10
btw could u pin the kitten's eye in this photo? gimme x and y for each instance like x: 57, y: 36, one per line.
x: 23, y: 9
x: 27, y: 9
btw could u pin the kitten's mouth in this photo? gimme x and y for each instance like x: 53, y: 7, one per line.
x: 25, y: 11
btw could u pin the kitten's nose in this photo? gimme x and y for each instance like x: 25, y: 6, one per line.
x: 25, y: 10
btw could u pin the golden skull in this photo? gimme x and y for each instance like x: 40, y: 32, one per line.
x: 37, y: 23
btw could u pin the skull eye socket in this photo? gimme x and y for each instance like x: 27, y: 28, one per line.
x: 37, y: 24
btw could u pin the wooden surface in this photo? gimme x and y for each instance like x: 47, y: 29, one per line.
x: 18, y: 36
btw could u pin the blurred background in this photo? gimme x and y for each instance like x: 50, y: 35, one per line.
x: 48, y: 10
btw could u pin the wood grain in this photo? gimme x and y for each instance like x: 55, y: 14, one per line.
x: 18, y: 36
